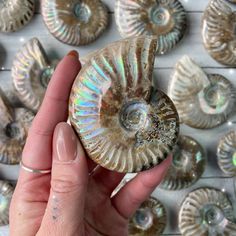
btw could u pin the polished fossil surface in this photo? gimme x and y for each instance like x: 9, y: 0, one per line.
x: 206, y: 211
x: 75, y: 22
x: 203, y: 100
x: 218, y: 32
x: 15, y: 14
x: 165, y: 19
x: 6, y: 192
x: 188, y: 164
x: 31, y: 72
x: 149, y: 219
x: 125, y: 125
x: 226, y: 153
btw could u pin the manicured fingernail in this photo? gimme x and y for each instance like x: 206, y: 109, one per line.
x: 64, y: 143
x: 73, y: 53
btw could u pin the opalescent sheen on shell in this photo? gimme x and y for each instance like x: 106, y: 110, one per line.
x: 202, y: 100
x: 6, y: 192
x: 15, y: 14
x: 188, y: 164
x: 206, y: 211
x: 165, y: 19
x: 31, y: 72
x: 75, y: 22
x: 149, y: 219
x: 226, y: 153
x: 218, y: 32
x: 123, y: 123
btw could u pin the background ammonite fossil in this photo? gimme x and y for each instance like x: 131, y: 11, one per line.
x: 203, y: 100
x: 15, y: 123
x: 188, y: 164
x: 31, y: 72
x: 165, y: 19
x: 6, y: 192
x: 149, y: 219
x: 206, y: 211
x: 226, y: 153
x: 123, y: 123
x: 75, y: 22
x: 14, y: 14
x: 218, y: 32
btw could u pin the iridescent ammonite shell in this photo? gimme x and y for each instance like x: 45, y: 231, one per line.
x: 75, y: 22
x: 206, y: 211
x: 123, y: 123
x: 14, y: 128
x: 226, y: 153
x: 188, y: 164
x: 31, y: 73
x: 6, y: 192
x: 165, y: 19
x: 14, y: 14
x: 218, y: 32
x: 203, y: 101
x: 149, y: 219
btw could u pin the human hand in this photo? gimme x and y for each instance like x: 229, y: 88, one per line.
x: 75, y: 198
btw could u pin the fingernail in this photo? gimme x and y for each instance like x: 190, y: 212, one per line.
x: 64, y: 143
x: 73, y: 53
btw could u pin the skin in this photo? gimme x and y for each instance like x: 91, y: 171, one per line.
x: 75, y: 199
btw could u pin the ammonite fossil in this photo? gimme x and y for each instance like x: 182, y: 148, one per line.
x: 123, y: 123
x: 218, y: 32
x: 14, y: 14
x: 14, y: 128
x: 188, y: 164
x: 6, y: 192
x: 206, y: 211
x: 165, y: 19
x: 226, y: 153
x: 75, y: 22
x: 31, y: 73
x: 149, y: 219
x: 203, y: 100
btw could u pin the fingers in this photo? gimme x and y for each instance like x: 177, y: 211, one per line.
x: 68, y: 185
x: 129, y: 198
x: 38, y: 150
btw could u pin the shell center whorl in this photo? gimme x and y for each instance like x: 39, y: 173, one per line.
x: 159, y: 15
x: 82, y: 12
x: 143, y: 218
x: 212, y: 215
x: 133, y: 115
x: 46, y: 75
x: 12, y: 130
x: 3, y: 203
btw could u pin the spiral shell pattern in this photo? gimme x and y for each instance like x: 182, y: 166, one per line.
x: 122, y: 126
x: 14, y: 128
x: 6, y: 192
x: 206, y: 211
x: 226, y: 153
x: 149, y: 219
x: 165, y: 19
x: 75, y: 22
x: 15, y: 14
x: 218, y: 32
x: 188, y: 164
x: 203, y: 101
x: 31, y: 72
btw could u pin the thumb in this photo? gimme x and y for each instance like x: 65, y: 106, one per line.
x: 65, y: 209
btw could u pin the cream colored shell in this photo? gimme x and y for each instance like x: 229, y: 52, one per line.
x: 123, y: 123
x: 15, y: 14
x: 218, y: 32
x: 203, y: 101
x: 75, y: 22
x: 31, y: 72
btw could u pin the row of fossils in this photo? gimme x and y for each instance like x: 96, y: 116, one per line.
x: 80, y: 22
x: 213, y: 96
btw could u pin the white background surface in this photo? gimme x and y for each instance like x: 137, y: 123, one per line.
x: 190, y: 45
